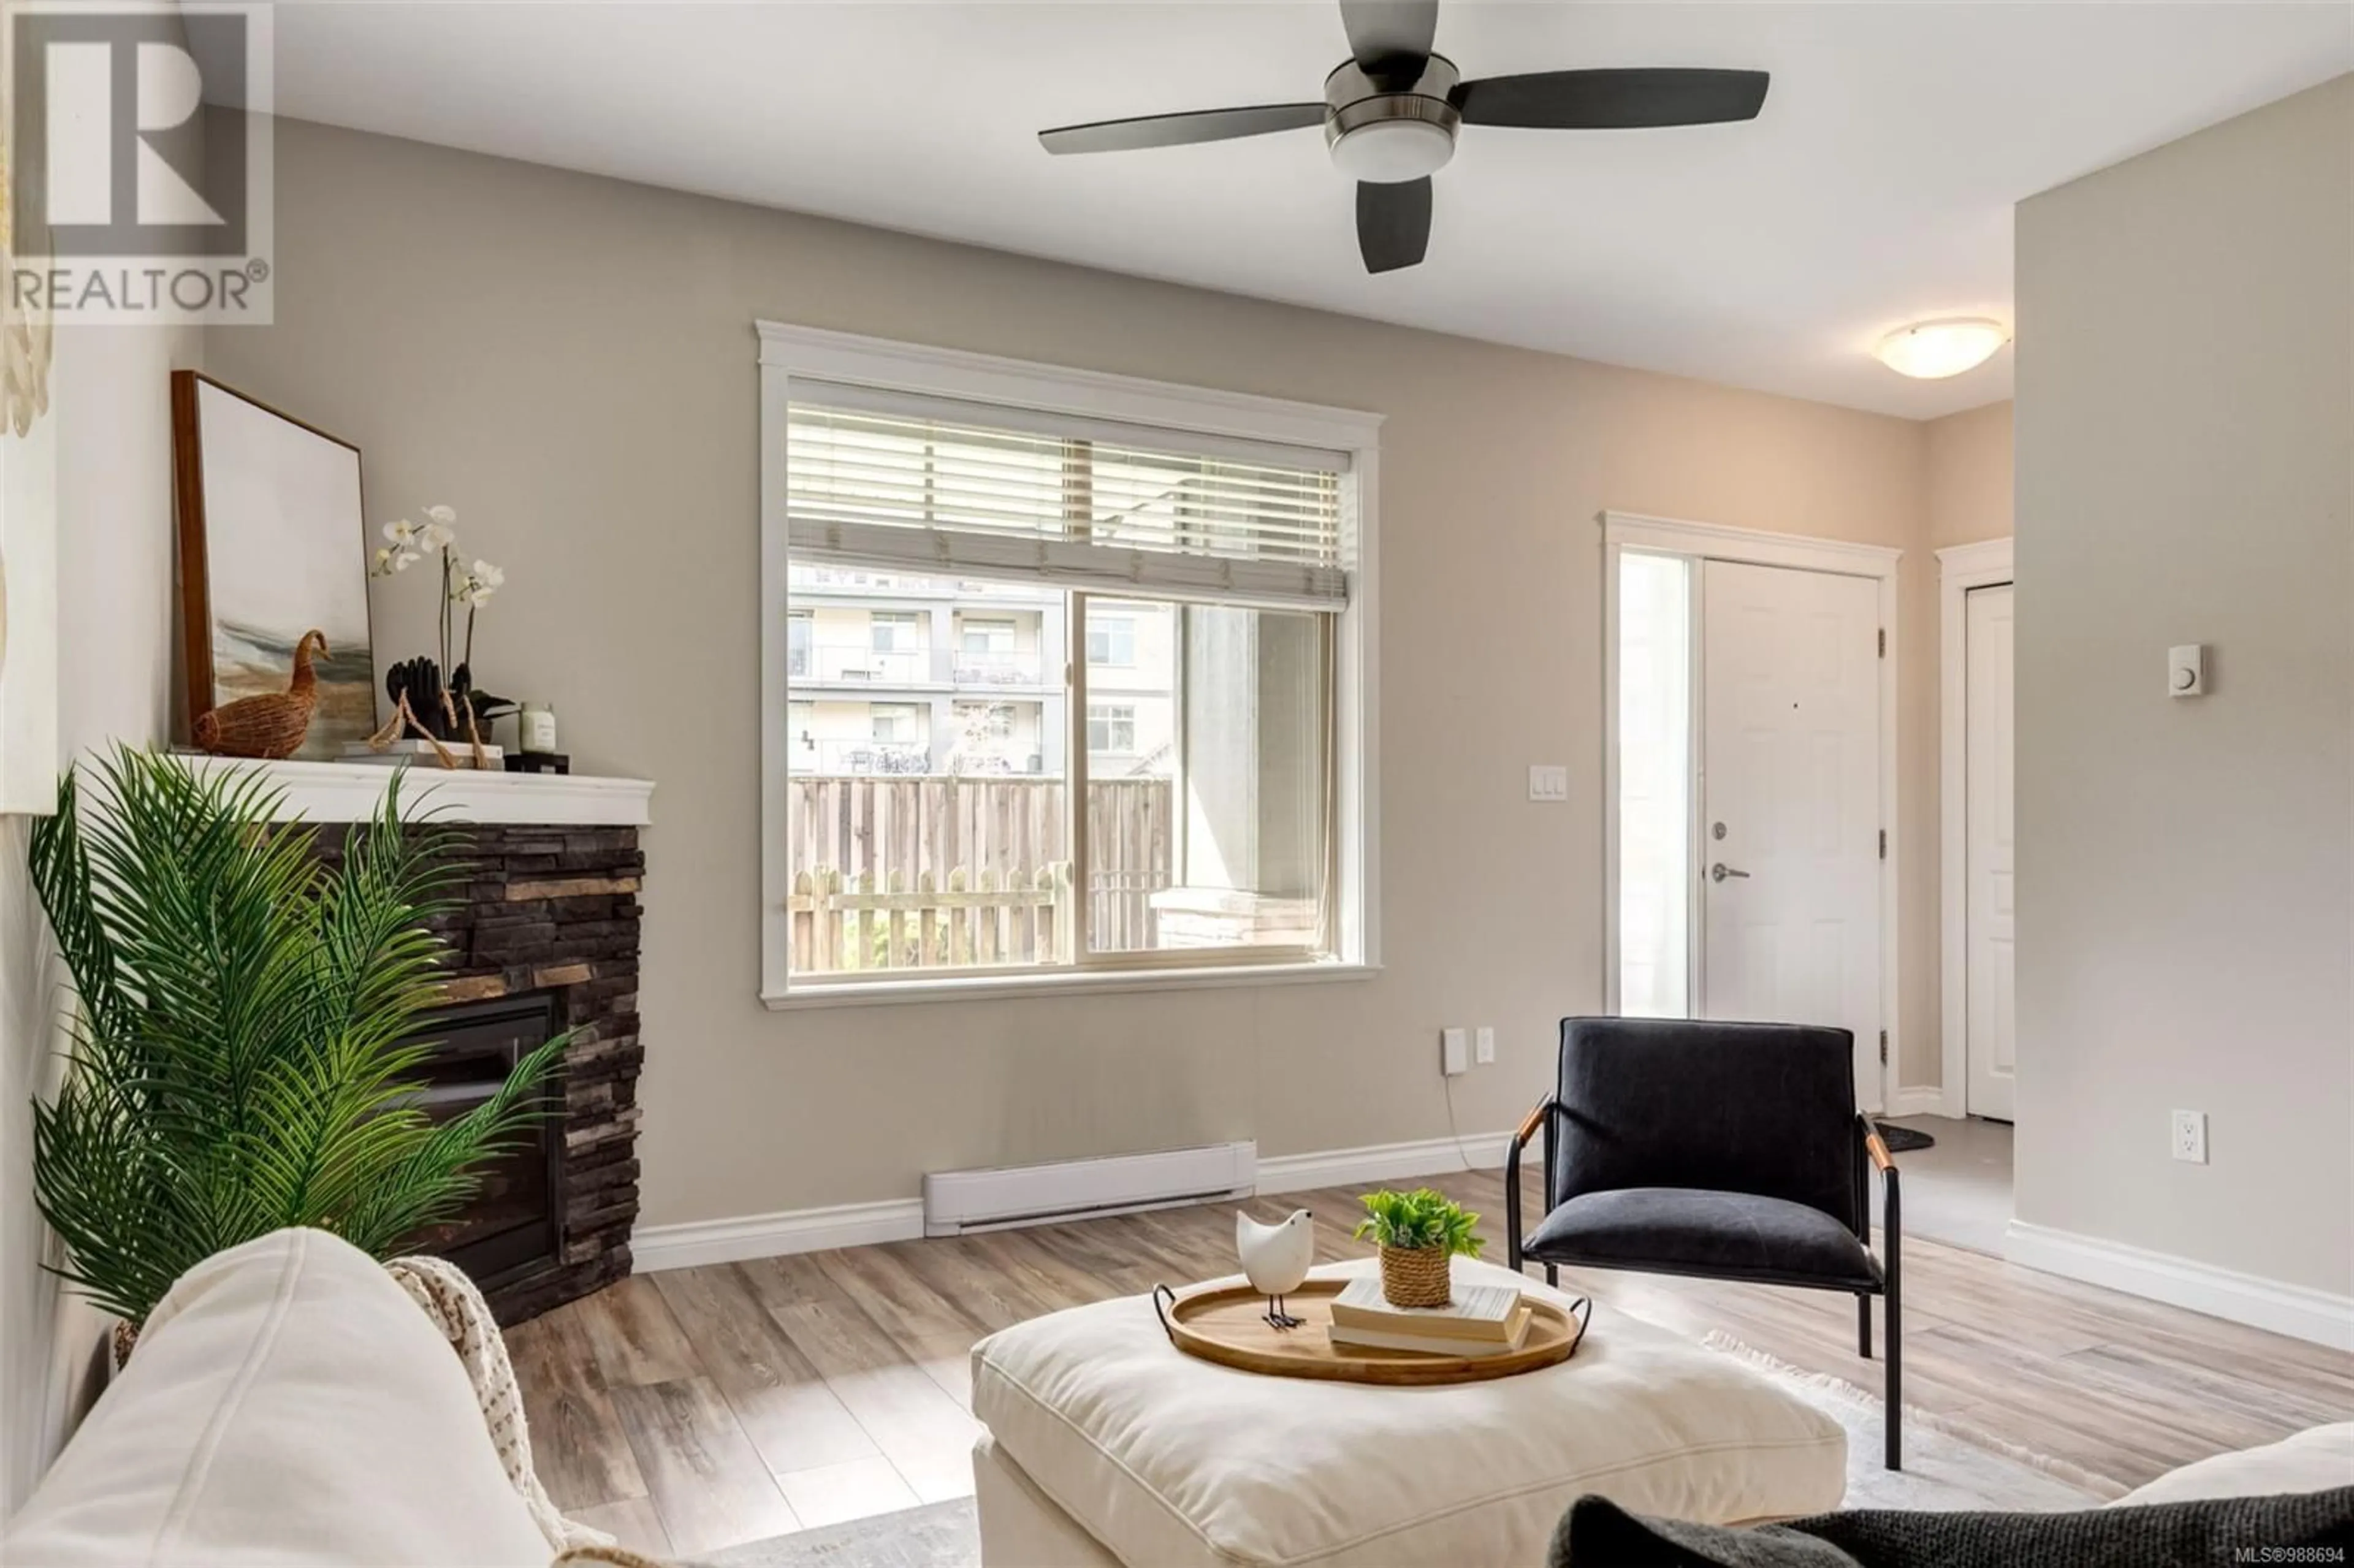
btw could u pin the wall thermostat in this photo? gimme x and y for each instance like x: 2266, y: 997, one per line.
x: 2185, y: 671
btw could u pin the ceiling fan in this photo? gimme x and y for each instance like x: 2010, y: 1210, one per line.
x: 1392, y: 110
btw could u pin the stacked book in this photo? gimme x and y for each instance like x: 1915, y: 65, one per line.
x: 1482, y: 1321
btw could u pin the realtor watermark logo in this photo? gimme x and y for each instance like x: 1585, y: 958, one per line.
x: 139, y: 162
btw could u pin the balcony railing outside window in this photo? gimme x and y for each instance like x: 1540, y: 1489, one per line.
x: 1000, y: 668
x: 857, y: 664
x: 903, y: 759
x: 860, y: 756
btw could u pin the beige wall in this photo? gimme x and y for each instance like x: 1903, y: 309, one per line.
x: 1966, y: 485
x: 111, y: 403
x: 108, y: 440
x: 569, y: 362
x: 2186, y: 892
x: 1969, y: 476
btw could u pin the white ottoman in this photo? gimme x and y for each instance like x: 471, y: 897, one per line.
x: 1107, y: 1445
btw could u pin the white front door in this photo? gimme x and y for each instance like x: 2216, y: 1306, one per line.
x: 1990, y: 1008
x: 1790, y: 785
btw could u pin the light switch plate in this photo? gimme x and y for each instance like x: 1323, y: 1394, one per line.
x: 1548, y: 782
x: 1454, y: 1052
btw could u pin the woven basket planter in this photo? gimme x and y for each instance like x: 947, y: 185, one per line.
x: 1415, y: 1276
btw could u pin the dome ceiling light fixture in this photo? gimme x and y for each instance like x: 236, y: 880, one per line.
x: 1930, y: 351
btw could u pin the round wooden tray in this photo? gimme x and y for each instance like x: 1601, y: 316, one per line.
x: 1229, y: 1326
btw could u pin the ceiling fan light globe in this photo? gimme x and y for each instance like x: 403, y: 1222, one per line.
x: 1392, y: 152
x: 1930, y: 351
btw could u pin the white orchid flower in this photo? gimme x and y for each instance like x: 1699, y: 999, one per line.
x: 489, y: 577
x: 402, y: 533
x: 404, y: 560
x: 436, y: 535
x: 442, y: 514
x: 383, y: 563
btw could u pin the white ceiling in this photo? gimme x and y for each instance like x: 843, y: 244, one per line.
x: 1876, y: 188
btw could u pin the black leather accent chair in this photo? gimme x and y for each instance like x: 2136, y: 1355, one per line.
x: 1718, y: 1150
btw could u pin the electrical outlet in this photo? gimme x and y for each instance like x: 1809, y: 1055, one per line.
x: 2191, y: 1136
x: 1483, y: 1048
x: 1454, y: 1052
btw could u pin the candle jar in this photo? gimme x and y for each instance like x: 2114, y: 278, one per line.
x: 535, y: 727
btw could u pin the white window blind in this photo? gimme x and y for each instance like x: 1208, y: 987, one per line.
x: 932, y: 485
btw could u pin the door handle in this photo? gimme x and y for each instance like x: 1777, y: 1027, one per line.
x: 1719, y: 871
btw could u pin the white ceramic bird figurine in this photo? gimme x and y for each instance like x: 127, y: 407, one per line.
x: 1276, y: 1258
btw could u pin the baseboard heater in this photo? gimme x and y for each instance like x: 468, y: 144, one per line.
x: 958, y: 1201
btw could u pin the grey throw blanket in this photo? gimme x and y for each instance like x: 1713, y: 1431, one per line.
x: 2304, y: 1527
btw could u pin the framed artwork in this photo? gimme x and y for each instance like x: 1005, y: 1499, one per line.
x: 273, y: 545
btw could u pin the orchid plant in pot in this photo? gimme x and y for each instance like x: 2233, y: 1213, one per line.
x: 438, y: 707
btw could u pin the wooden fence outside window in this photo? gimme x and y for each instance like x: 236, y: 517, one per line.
x: 947, y: 872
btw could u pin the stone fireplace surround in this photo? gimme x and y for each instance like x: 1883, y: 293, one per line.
x: 550, y: 908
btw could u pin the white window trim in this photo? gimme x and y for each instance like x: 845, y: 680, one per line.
x: 788, y: 353
x: 950, y: 986
x: 1698, y: 542
x: 1960, y: 569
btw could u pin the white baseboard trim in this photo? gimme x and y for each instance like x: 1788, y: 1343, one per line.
x: 2297, y: 1311
x: 1382, y: 1162
x: 690, y: 1246
x: 657, y: 1248
x: 1928, y: 1101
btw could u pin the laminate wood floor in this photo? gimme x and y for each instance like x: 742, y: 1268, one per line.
x: 694, y: 1409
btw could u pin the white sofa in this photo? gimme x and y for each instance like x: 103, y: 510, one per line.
x: 287, y: 1404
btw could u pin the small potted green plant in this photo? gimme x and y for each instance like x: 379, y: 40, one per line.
x: 1416, y: 1232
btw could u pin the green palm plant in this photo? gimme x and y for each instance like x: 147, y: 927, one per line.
x: 242, y: 1058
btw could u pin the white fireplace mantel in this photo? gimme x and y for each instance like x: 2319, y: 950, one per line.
x: 350, y: 792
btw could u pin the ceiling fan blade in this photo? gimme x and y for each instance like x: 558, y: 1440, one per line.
x: 1390, y: 33
x: 1612, y: 99
x: 1178, y: 129
x: 1393, y: 224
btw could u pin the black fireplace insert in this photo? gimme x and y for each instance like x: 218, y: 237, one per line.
x: 514, y: 1226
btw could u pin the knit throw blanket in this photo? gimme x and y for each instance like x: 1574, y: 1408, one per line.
x: 458, y: 1309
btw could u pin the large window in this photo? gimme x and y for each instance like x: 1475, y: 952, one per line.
x: 1181, y: 615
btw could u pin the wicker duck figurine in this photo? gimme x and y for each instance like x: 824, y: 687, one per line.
x: 270, y: 726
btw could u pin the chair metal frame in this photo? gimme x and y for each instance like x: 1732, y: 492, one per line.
x: 1870, y: 1147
